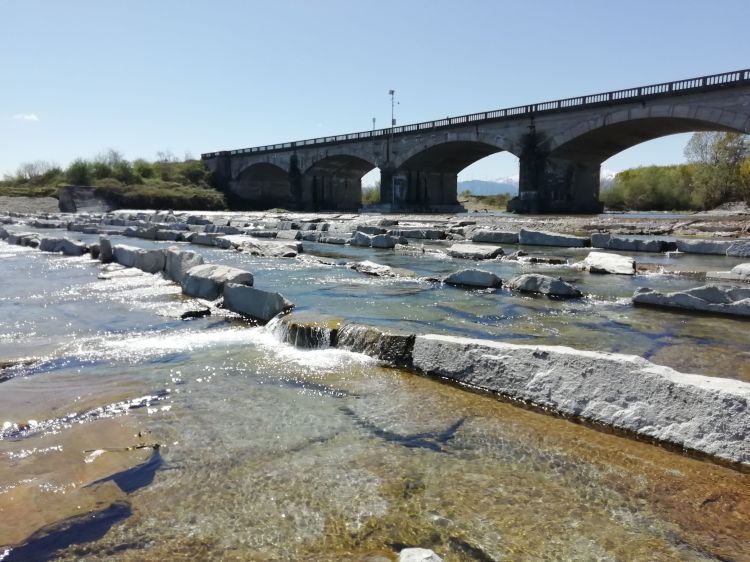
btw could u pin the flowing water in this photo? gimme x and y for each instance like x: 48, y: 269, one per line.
x: 128, y: 434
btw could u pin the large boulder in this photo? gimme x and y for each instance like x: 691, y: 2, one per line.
x: 385, y: 241
x: 474, y: 278
x: 263, y: 248
x: 544, y: 284
x: 150, y: 261
x: 544, y: 238
x: 252, y: 302
x: 705, y: 414
x: 734, y: 301
x: 474, y: 251
x: 600, y: 262
x: 494, y: 236
x: 178, y: 262
x: 288, y: 235
x: 207, y: 281
x: 378, y: 270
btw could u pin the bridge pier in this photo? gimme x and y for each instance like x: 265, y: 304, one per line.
x: 417, y: 190
x: 556, y: 185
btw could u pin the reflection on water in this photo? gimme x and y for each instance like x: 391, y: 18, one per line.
x: 269, y: 452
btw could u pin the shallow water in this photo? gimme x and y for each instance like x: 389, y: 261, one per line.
x: 267, y: 452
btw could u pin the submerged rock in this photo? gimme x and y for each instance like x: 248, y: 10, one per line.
x: 207, y: 281
x: 418, y: 555
x: 474, y: 252
x: 474, y: 278
x: 378, y: 270
x: 600, y: 262
x: 536, y: 283
x: 252, y: 302
x: 624, y: 391
x: 733, y: 301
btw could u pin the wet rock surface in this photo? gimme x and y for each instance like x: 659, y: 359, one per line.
x: 478, y: 278
x: 544, y: 284
x: 734, y: 301
x: 600, y: 262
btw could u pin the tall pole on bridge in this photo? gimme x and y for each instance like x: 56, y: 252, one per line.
x: 392, y: 93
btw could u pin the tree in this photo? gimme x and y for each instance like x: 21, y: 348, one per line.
x: 719, y: 159
x: 79, y: 173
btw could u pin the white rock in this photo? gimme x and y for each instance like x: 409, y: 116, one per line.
x: 739, y: 272
x: 631, y: 244
x: 600, y: 262
x: 418, y: 555
x: 288, y: 235
x: 260, y: 305
x: 361, y: 239
x: 474, y: 278
x: 537, y: 283
x: 178, y: 262
x: 544, y: 238
x: 207, y: 281
x: 385, y: 241
x: 150, y: 261
x: 707, y: 414
x: 733, y: 301
x: 265, y: 248
x: 474, y: 251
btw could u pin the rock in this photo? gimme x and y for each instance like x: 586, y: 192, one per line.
x: 420, y: 233
x: 600, y: 262
x: 24, y: 239
x: 222, y: 229
x: 207, y: 281
x: 368, y: 229
x: 384, y: 241
x: 535, y: 258
x: 252, y: 302
x: 630, y: 244
x: 734, y: 301
x: 105, y: 250
x: 705, y: 414
x: 94, y: 251
x: 173, y: 235
x: 544, y: 238
x: 494, y: 236
x: 204, y: 238
x: 740, y: 249
x: 474, y: 278
x: 739, y: 272
x: 178, y: 262
x: 703, y: 246
x: 474, y: 252
x: 265, y: 248
x: 393, y: 348
x: 332, y: 240
x: 536, y: 283
x: 361, y: 239
x: 72, y: 247
x: 190, y: 314
x: 418, y: 555
x: 288, y: 235
x: 195, y: 219
x: 4, y: 234
x: 150, y: 261
x: 371, y: 268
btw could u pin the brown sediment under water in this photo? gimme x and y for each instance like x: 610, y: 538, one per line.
x: 267, y: 452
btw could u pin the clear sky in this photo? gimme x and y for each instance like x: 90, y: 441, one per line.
x: 142, y: 76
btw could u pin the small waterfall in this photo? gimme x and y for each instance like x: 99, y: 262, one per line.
x: 303, y: 333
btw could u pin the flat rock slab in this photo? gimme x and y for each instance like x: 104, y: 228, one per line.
x: 474, y: 251
x: 545, y: 238
x: 494, y: 236
x: 739, y: 272
x: 632, y: 244
x: 703, y: 246
x: 150, y: 261
x: 733, y: 301
x: 705, y: 414
x: 207, y: 281
x: 544, y: 284
x: 600, y: 262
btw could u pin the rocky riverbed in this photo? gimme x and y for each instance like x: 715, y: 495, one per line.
x: 539, y: 312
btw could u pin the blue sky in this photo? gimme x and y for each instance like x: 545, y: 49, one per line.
x: 143, y: 76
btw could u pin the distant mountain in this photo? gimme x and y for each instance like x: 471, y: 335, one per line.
x: 490, y: 187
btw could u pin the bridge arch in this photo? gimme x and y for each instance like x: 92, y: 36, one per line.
x: 262, y: 185
x: 599, y: 138
x: 334, y: 182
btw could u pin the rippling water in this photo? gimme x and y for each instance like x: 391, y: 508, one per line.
x: 129, y: 434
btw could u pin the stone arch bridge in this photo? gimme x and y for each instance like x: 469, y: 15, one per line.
x: 560, y: 145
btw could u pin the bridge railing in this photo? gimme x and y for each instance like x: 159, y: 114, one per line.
x: 703, y: 83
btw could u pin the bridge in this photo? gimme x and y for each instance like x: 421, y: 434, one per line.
x: 560, y: 145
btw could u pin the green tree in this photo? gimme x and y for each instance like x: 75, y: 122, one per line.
x: 79, y: 173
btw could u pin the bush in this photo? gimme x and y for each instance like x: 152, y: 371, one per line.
x: 371, y: 196
x: 79, y: 173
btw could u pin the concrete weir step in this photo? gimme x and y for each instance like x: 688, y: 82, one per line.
x: 708, y: 415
